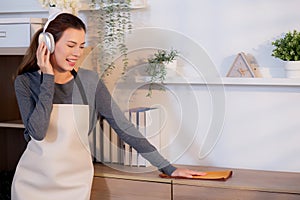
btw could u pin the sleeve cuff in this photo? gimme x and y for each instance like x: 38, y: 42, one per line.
x: 168, y: 169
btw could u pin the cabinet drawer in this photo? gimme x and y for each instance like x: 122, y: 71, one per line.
x: 14, y: 35
x: 195, y: 192
x: 114, y: 189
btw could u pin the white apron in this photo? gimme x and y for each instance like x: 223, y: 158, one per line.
x: 60, y: 166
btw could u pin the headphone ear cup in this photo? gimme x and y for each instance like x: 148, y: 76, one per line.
x: 48, y: 39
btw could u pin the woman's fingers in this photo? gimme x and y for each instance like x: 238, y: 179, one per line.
x: 40, y: 54
x: 182, y: 172
x: 43, y: 59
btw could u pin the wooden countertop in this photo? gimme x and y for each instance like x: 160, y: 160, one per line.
x: 149, y: 174
x: 242, y: 179
x: 257, y: 180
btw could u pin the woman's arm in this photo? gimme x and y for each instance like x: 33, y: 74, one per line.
x: 107, y: 108
x: 128, y: 133
x: 35, y: 104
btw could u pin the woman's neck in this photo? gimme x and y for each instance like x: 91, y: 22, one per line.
x: 62, y: 77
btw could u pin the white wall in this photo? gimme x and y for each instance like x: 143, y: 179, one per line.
x: 254, y: 127
x: 222, y: 28
x: 225, y: 28
x: 257, y: 133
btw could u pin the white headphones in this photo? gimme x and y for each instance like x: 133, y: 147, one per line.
x: 48, y: 37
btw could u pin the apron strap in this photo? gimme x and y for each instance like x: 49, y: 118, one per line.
x: 80, y: 87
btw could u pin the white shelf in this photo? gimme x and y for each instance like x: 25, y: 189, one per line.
x: 24, y: 20
x: 228, y: 81
x: 13, y: 50
x: 261, y: 81
x: 12, y: 124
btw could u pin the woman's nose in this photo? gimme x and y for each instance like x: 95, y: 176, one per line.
x: 77, y: 51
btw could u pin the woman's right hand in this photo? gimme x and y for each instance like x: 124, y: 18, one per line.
x: 43, y: 59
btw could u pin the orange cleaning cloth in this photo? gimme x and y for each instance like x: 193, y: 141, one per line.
x: 212, y: 175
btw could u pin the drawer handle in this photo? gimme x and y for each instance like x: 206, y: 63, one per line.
x: 2, y: 34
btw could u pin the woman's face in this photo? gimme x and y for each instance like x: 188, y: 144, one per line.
x: 68, y: 50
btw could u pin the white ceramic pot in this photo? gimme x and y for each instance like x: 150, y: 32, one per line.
x: 292, y: 69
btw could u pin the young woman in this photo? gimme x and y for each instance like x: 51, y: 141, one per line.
x: 59, y: 105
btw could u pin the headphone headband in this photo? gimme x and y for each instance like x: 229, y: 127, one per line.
x: 47, y: 37
x: 51, y: 18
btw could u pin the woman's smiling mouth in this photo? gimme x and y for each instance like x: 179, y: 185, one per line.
x: 71, y: 62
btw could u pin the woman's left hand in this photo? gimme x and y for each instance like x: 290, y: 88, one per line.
x: 187, y: 173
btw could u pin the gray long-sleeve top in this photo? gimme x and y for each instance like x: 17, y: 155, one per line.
x: 37, y: 93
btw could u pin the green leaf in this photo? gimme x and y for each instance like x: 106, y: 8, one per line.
x: 287, y: 48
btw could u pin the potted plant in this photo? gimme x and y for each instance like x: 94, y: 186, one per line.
x: 287, y: 49
x: 157, y: 67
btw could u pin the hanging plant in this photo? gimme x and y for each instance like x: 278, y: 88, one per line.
x: 113, y: 21
x: 156, y: 67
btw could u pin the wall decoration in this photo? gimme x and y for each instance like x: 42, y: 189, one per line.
x: 244, y: 66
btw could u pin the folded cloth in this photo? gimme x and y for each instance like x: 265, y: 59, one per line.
x: 211, y: 175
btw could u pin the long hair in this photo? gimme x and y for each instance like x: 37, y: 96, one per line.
x: 56, y: 27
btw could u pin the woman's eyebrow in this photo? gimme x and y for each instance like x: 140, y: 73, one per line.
x: 75, y: 42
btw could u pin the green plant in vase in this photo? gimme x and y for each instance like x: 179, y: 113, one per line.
x: 156, y: 67
x: 287, y: 49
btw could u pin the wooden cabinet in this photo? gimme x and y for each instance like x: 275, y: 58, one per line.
x: 128, y: 189
x: 114, y: 184
x: 121, y: 182
x: 244, y: 184
x: 188, y: 192
x: 8, y: 104
x: 12, y: 146
x: 15, y: 37
x: 12, y: 142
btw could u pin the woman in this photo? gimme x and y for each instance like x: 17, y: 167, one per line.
x: 59, y: 105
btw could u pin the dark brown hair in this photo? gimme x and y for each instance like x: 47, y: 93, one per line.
x: 56, y: 27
